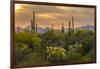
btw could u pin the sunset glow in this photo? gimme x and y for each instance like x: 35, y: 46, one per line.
x: 46, y: 15
x: 17, y: 7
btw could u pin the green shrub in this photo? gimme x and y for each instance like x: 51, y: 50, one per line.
x: 80, y: 36
x: 53, y: 38
x: 21, y: 51
x: 31, y: 39
x: 56, y: 54
x: 54, y: 47
x: 75, y: 51
x: 33, y: 58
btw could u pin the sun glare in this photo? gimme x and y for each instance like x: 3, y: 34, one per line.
x: 17, y: 7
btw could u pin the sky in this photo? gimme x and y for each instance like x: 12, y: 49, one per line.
x: 46, y: 15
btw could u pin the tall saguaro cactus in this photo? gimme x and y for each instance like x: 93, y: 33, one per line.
x: 36, y: 27
x: 33, y: 22
x: 52, y: 26
x: 34, y: 17
x: 62, y: 27
x: 72, y: 23
x: 69, y: 26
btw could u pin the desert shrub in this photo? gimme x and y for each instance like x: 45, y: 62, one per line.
x: 80, y: 36
x: 21, y: 51
x: 56, y: 54
x: 52, y: 37
x: 32, y: 40
x: 75, y: 51
x: 87, y: 39
x: 54, y: 47
x: 33, y: 58
x: 75, y: 47
x: 69, y: 39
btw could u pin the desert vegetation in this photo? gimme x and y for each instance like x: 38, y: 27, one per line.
x: 54, y: 47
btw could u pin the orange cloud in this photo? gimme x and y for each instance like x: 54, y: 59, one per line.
x: 45, y: 15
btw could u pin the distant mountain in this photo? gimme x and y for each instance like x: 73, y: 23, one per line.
x: 42, y: 30
x: 66, y: 29
x: 39, y: 30
x: 88, y: 27
x: 28, y: 28
x: 19, y: 29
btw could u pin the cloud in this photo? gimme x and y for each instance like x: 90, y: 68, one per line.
x: 47, y: 15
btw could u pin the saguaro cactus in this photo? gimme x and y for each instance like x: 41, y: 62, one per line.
x: 69, y: 28
x: 52, y: 26
x: 72, y: 23
x: 36, y: 27
x: 62, y: 28
x: 33, y: 22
